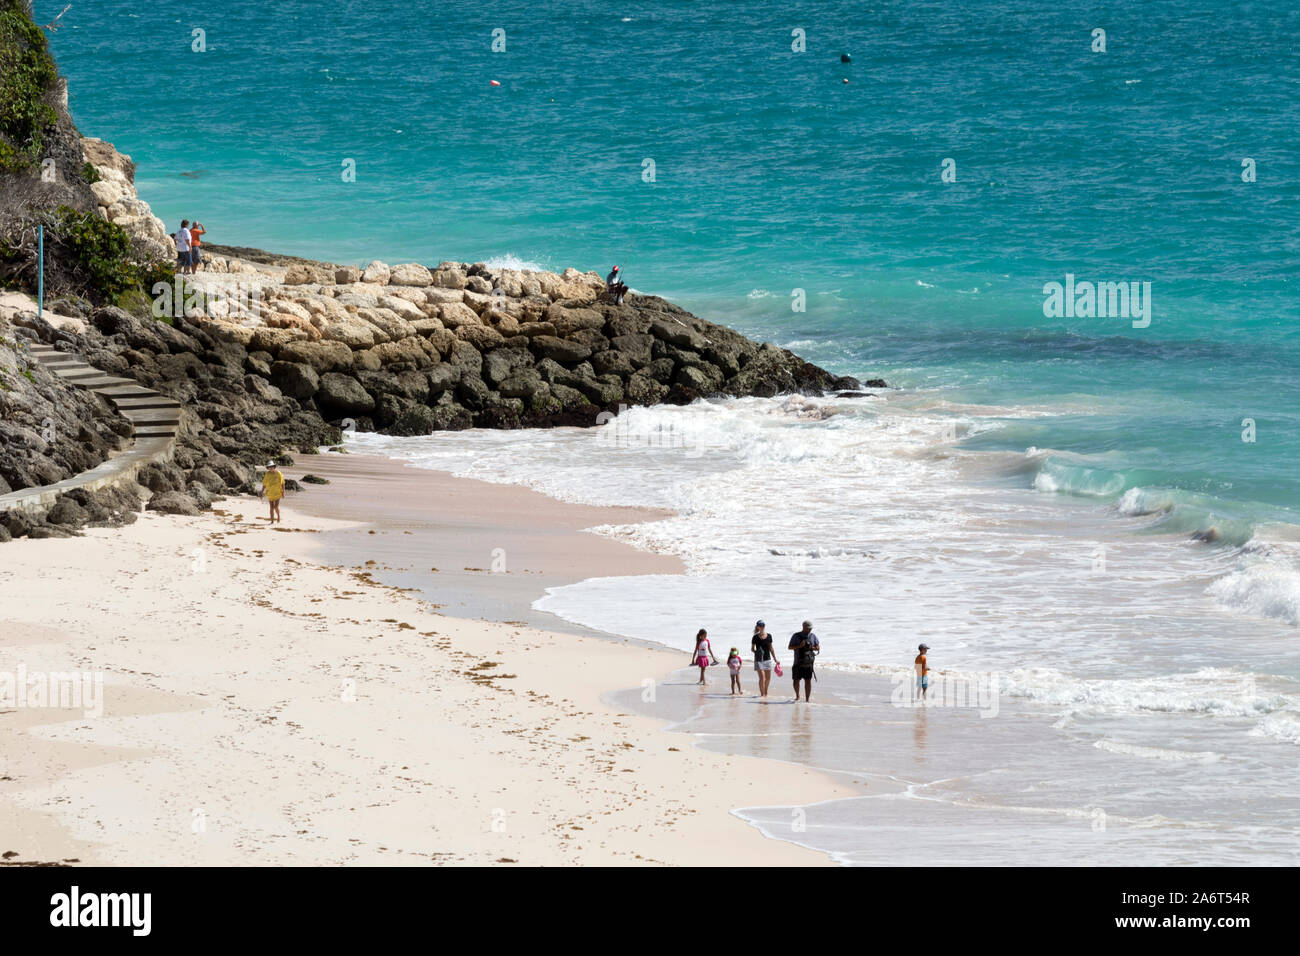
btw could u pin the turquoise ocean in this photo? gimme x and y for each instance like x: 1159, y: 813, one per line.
x: 1102, y: 512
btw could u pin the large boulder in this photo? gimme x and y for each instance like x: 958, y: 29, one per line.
x: 343, y: 394
x: 568, y: 321
x: 376, y: 272
x: 410, y: 273
x: 353, y: 332
x: 326, y: 356
x: 524, y: 383
x: 456, y: 314
x: 548, y: 346
x: 482, y: 337
x: 499, y: 364
x: 173, y: 503
x: 295, y: 379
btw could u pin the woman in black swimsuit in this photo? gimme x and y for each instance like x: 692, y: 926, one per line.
x: 764, y: 661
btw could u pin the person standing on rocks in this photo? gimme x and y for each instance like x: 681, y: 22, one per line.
x: 196, y: 258
x: 182, y: 237
x: 273, y: 489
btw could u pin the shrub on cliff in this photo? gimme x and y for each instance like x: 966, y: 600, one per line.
x: 27, y: 79
x: 84, y: 256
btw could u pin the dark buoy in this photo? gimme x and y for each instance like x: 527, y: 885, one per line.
x: 845, y: 58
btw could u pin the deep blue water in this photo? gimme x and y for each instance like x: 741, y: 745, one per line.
x: 772, y: 174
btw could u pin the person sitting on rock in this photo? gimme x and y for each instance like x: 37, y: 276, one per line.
x: 614, y: 287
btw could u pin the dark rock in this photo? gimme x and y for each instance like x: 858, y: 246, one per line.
x: 295, y: 379
x: 500, y: 364
x: 524, y: 384
x: 50, y: 531
x: 451, y: 417
x: 558, y: 350
x: 612, y: 361
x: 173, y: 503
x: 473, y: 393
x: 206, y: 476
x: 704, y: 380
x: 67, y: 512
x: 343, y: 394
x: 314, y: 480
x: 442, y: 377
x: 416, y: 419
x: 201, y: 495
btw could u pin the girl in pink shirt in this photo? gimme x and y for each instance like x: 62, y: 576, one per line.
x: 703, y: 651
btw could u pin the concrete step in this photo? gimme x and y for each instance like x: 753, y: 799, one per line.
x: 155, y: 420
x: 131, y: 404
x: 147, y: 417
x: 114, y: 392
x: 103, y: 381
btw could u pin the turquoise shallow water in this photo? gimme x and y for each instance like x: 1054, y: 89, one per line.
x: 771, y: 175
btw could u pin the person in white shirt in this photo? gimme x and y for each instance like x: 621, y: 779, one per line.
x: 182, y: 237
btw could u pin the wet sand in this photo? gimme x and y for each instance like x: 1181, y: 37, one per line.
x: 477, y: 549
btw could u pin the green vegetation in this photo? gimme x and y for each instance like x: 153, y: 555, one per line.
x: 101, y: 253
x: 84, y: 255
x: 27, y: 75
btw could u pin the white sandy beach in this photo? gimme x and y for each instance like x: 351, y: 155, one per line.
x: 262, y: 708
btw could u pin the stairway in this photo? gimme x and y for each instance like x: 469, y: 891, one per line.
x: 155, y: 419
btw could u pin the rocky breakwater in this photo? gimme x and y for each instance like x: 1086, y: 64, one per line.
x: 270, y: 357
x: 409, y: 350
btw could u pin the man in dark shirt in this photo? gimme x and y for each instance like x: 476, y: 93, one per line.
x: 805, y: 646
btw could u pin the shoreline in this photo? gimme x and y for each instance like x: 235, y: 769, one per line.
x: 226, y: 738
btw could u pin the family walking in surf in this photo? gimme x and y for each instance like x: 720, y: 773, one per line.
x: 803, y: 643
x: 806, y: 647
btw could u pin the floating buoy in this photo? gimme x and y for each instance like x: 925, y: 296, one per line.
x: 496, y: 82
x: 845, y: 58
x: 845, y: 80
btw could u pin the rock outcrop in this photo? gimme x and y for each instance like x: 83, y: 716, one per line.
x: 118, y: 202
x: 407, y: 349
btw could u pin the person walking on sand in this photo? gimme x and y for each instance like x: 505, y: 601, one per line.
x: 764, y: 659
x: 805, y: 645
x: 182, y: 237
x: 703, y: 651
x: 273, y: 489
x: 196, y: 257
x: 922, y: 672
x: 733, y: 664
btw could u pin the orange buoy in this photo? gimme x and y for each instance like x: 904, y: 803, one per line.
x: 496, y: 82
